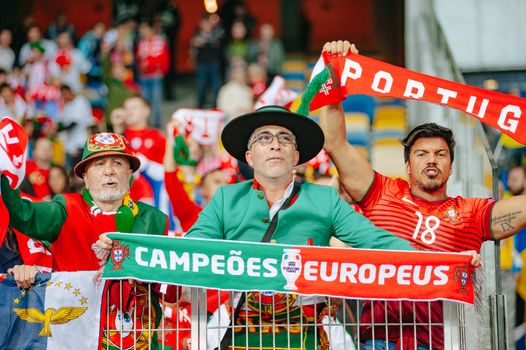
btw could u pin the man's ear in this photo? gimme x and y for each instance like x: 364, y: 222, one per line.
x: 248, y: 157
x: 296, y: 157
x: 408, y: 169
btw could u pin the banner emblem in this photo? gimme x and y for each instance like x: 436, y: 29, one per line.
x: 118, y: 254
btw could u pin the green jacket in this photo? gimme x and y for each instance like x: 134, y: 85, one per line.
x: 240, y: 212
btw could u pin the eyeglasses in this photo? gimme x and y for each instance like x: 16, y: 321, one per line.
x: 265, y: 138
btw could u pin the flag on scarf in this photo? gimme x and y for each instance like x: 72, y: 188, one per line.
x: 335, y: 77
x: 13, y: 151
x: 60, y: 311
x: 203, y: 125
x: 276, y: 94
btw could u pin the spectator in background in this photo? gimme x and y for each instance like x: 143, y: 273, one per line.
x: 16, y: 79
x: 147, y: 143
x: 75, y: 118
x: 119, y: 83
x: 34, y: 35
x: 36, y: 71
x: 59, y: 26
x: 7, y: 55
x: 235, y: 97
x: 236, y: 10
x: 58, y: 180
x: 37, y: 169
x: 153, y: 62
x: 90, y: 46
x: 69, y: 63
x: 207, y: 52
x: 237, y: 46
x: 257, y: 79
x: 118, y: 120
x: 167, y: 22
x: 184, y: 208
x: 267, y: 51
x: 12, y: 105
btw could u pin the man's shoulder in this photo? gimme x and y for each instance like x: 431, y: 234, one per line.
x: 390, y: 184
x: 471, y: 202
x: 243, y: 186
x: 146, y: 209
x: 69, y: 198
x: 315, y: 188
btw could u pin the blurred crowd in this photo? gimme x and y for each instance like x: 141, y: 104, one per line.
x: 62, y: 87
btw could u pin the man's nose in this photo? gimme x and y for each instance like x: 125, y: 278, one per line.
x: 275, y: 143
x: 432, y: 158
x: 108, y: 169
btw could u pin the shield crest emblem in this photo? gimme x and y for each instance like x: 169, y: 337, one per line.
x: 119, y: 253
x: 464, y: 278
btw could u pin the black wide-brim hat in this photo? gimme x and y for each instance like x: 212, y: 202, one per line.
x: 309, y: 136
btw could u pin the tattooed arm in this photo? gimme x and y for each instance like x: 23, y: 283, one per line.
x: 508, y: 217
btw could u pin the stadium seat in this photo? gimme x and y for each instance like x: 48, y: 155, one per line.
x: 357, y: 127
x: 388, y: 159
x: 360, y: 103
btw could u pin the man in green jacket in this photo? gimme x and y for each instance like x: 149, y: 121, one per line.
x: 73, y: 222
x: 273, y: 141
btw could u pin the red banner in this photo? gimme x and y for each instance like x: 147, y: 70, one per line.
x: 373, y: 274
x: 355, y: 74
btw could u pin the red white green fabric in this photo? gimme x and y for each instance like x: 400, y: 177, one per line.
x: 356, y: 74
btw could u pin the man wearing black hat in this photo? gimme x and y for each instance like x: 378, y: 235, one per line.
x: 273, y: 141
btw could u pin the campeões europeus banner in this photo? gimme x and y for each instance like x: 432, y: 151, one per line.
x: 356, y: 74
x: 60, y: 311
x: 308, y: 270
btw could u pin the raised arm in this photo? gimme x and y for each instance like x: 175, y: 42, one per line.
x: 508, y: 217
x: 41, y: 220
x: 183, y: 207
x: 356, y: 174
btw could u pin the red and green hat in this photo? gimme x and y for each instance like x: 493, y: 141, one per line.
x: 106, y: 144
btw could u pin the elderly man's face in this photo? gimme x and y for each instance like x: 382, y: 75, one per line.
x: 275, y: 159
x: 108, y: 178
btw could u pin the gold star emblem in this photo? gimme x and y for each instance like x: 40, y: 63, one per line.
x: 76, y: 292
x: 83, y: 301
x: 16, y: 301
x: 48, y: 283
x: 68, y: 286
x: 23, y: 293
x: 58, y: 284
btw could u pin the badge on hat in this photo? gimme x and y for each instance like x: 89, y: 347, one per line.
x: 106, y: 142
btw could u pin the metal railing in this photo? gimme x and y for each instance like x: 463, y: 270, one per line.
x: 136, y: 318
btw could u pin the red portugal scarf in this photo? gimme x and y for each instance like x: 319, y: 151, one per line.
x: 334, y: 78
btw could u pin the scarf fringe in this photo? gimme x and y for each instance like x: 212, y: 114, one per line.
x: 311, y: 91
